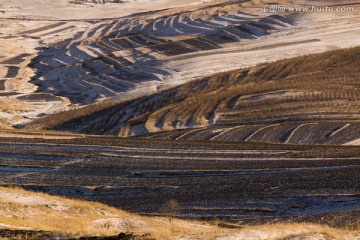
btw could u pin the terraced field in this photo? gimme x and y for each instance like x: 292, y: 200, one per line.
x: 140, y: 55
x: 242, y: 183
x: 19, y: 41
x: 223, y: 110
x: 25, y: 32
x: 117, y: 56
x: 297, y: 101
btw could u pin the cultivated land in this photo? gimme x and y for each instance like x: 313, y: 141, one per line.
x: 304, y: 100
x: 240, y: 183
x: 217, y: 111
x: 73, y: 58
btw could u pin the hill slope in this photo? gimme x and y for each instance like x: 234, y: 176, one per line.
x: 310, y: 99
x: 61, y: 55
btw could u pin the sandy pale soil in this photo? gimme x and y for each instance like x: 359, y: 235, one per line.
x: 354, y: 143
x: 63, y: 9
x: 312, y: 33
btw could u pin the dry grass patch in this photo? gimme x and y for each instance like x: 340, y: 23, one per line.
x: 24, y: 210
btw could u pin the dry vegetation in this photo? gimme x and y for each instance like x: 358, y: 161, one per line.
x: 26, y: 211
x: 299, y: 90
x: 23, y: 210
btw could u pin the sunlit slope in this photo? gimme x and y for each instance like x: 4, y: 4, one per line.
x: 24, y: 210
x: 28, y: 215
x: 310, y: 99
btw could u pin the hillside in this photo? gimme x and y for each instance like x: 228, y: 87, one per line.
x: 22, y: 217
x: 301, y: 100
x: 63, y: 55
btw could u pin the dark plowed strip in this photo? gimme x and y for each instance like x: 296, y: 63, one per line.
x: 141, y: 40
x: 44, y: 28
x: 121, y: 60
x: 16, y: 60
x: 41, y: 97
x: 122, y: 42
x: 130, y: 76
x: 88, y: 69
x: 220, y: 39
x: 172, y: 49
x: 155, y: 39
x: 101, y: 83
x: 244, y: 29
x: 2, y: 85
x: 113, y: 84
x: 57, y: 31
x: 115, y: 65
x: 8, y: 94
x: 12, y: 72
x: 199, y: 44
x: 202, y: 39
x: 21, y: 169
x: 262, y: 26
x: 268, y: 20
x: 282, y: 19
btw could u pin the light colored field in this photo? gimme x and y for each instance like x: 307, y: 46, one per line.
x: 63, y: 9
x: 355, y: 142
x: 23, y: 210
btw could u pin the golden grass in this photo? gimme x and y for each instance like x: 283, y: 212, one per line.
x: 303, y: 229
x: 75, y: 217
x: 24, y: 210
